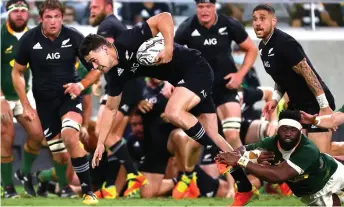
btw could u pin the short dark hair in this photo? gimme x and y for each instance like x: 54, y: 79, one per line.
x: 264, y: 7
x: 290, y: 114
x: 51, y: 4
x: 92, y: 42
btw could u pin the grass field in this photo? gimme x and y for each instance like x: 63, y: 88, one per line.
x: 264, y: 200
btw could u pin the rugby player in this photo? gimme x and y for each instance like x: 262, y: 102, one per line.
x: 51, y: 49
x: 11, y: 31
x: 191, y: 94
x: 314, y: 176
x: 286, y: 62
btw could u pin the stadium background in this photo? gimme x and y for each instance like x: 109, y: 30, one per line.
x: 322, y: 41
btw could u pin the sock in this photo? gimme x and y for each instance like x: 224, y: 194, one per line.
x: 198, y: 133
x: 120, y: 150
x: 6, y: 170
x: 113, y: 166
x: 189, y: 174
x: 241, y: 179
x: 82, y: 169
x: 47, y: 175
x: 30, y: 156
x: 61, y: 173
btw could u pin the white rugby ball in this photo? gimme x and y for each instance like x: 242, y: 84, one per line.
x: 149, y: 50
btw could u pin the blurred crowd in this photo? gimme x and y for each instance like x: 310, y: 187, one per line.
x: 289, y: 15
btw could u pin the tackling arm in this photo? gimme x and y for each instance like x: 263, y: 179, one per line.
x: 19, y: 82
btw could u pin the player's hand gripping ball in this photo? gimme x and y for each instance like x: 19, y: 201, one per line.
x: 149, y: 50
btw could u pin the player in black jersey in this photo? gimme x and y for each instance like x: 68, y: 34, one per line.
x: 51, y: 49
x: 191, y: 94
x: 110, y: 28
x: 213, y: 34
x: 286, y: 62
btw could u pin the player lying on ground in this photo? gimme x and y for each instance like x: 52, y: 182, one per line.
x: 189, y: 95
x: 315, y: 177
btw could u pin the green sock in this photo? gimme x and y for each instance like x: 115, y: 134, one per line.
x: 61, y: 174
x: 46, y: 175
x: 6, y: 173
x: 29, y: 158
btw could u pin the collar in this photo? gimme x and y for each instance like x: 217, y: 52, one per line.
x: 290, y: 151
x: 272, y: 33
x: 45, y: 35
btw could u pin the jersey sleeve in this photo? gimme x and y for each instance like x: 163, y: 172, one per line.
x: 115, y: 83
x: 297, y: 159
x: 252, y: 95
x: 23, y: 50
x: 132, y: 39
x: 237, y: 30
x: 110, y: 29
x: 77, y: 39
x: 180, y: 36
x: 268, y: 144
x: 292, y: 52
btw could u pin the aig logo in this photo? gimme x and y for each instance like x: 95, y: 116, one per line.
x: 211, y: 41
x: 53, y: 56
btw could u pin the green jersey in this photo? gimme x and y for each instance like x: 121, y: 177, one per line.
x: 9, y: 41
x: 314, y: 168
x: 341, y: 109
x: 82, y: 71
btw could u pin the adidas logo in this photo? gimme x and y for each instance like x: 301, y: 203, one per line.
x: 195, y: 33
x: 37, y: 46
x: 120, y: 71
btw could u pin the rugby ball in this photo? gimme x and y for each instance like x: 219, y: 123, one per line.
x: 149, y: 50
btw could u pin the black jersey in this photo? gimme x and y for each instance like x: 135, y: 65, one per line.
x: 52, y: 62
x: 215, y: 42
x: 110, y: 27
x: 279, y: 55
x: 128, y: 68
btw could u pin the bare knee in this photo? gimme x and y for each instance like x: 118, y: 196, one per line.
x: 70, y: 138
x: 147, y: 191
x: 173, y: 114
x: 61, y: 158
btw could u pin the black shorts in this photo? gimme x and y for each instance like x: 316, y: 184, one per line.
x: 312, y: 108
x: 222, y: 95
x: 156, y: 154
x: 207, y: 185
x: 199, y: 79
x: 50, y: 113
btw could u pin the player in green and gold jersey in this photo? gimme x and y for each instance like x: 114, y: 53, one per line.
x: 315, y: 177
x: 11, y: 31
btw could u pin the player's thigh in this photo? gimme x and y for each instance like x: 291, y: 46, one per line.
x: 70, y: 112
x: 182, y: 99
x: 227, y: 103
x: 152, y: 188
x: 255, y: 131
x: 7, y: 125
x: 33, y: 128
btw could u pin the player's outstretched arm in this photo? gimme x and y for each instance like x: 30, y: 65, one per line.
x: 163, y: 23
x: 106, y: 122
x: 312, y: 81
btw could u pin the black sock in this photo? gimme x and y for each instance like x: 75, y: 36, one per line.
x: 113, y: 166
x: 241, y: 179
x: 82, y: 169
x: 120, y: 150
x: 198, y: 133
x: 189, y: 174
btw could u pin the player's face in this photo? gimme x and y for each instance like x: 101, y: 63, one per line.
x: 52, y: 22
x: 136, y: 126
x: 288, y: 137
x: 101, y: 59
x: 206, y: 12
x: 97, y: 12
x: 263, y: 23
x: 18, y: 19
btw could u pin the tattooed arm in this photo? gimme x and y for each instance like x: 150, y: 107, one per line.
x: 303, y: 69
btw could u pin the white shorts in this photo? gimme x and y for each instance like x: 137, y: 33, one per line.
x: 333, y: 186
x: 16, y: 107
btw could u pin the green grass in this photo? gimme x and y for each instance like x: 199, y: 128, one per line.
x: 264, y: 200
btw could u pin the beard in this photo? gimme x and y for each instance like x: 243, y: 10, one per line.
x: 15, y: 27
x: 288, y: 144
x: 95, y: 21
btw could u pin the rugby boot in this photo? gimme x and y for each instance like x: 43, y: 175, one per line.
x: 26, y: 180
x: 135, y: 182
